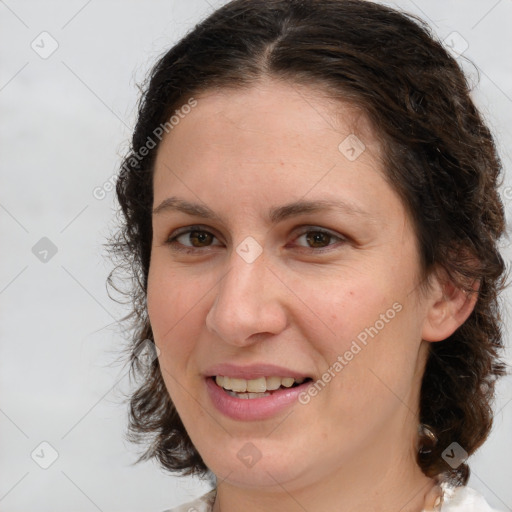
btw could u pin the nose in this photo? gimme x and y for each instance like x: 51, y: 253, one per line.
x: 248, y: 303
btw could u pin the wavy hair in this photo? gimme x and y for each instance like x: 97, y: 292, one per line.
x: 439, y: 156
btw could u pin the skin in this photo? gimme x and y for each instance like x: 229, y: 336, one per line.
x: 241, y: 153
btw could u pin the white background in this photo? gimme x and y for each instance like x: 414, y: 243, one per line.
x: 64, y: 122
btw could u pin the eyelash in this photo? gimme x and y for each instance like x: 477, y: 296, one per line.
x: 175, y: 245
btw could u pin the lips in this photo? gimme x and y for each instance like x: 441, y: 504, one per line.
x: 253, y: 371
x: 256, y: 392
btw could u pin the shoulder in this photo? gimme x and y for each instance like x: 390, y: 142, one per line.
x: 202, y: 504
x: 464, y: 499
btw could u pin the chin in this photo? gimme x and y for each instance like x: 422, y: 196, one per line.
x: 255, y: 464
x: 259, y: 476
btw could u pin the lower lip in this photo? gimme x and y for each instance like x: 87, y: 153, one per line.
x: 252, y: 409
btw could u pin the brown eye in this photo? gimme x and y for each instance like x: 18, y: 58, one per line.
x: 318, y: 239
x: 200, y: 238
x: 193, y: 238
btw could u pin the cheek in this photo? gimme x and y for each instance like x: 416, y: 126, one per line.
x: 340, y: 310
x: 367, y: 319
x: 173, y: 307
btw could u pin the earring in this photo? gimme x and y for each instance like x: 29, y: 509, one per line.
x: 427, y: 438
x: 434, y: 499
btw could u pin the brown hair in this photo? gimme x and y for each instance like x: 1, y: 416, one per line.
x: 439, y: 156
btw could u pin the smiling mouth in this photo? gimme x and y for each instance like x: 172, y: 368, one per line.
x: 256, y: 388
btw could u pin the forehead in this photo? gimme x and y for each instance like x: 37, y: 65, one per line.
x: 272, y: 121
x: 258, y: 144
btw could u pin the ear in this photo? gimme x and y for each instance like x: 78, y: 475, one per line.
x: 448, y: 308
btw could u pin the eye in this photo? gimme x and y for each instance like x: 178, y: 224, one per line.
x: 318, y: 239
x: 196, y: 238
x: 193, y: 237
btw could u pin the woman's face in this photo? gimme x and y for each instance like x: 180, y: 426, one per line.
x: 280, y: 252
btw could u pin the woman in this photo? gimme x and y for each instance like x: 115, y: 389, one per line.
x: 311, y: 215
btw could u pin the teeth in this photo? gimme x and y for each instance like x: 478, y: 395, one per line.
x: 273, y: 383
x: 288, y: 382
x: 255, y: 386
x: 238, y: 385
x: 248, y: 395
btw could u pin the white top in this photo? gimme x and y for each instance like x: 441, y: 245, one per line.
x: 458, y: 499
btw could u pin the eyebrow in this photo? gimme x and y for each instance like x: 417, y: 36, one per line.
x: 276, y: 214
